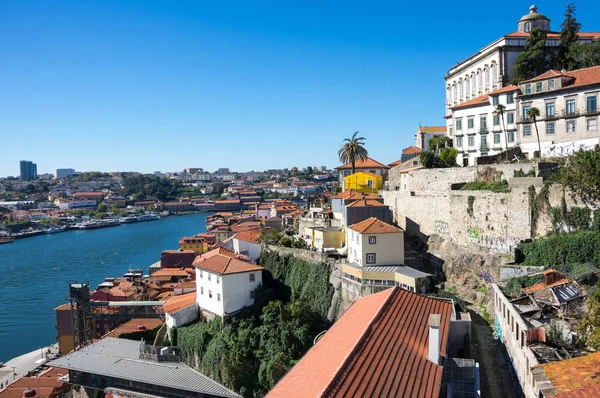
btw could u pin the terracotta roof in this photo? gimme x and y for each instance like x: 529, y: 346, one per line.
x: 575, y: 377
x: 485, y: 99
x: 413, y: 150
x: 541, y: 286
x: 374, y: 226
x: 133, y: 326
x: 351, y: 194
x: 552, y: 35
x: 363, y: 164
x: 251, y: 235
x: 365, y: 172
x: 377, y: 348
x: 224, y: 264
x: 170, y: 272
x: 432, y: 129
x: 581, y: 77
x: 365, y: 203
x: 396, y: 163
x: 177, y: 303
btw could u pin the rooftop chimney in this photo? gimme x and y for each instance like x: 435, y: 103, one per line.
x: 434, y: 338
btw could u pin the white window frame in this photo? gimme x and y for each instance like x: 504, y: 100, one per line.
x: 570, y: 126
x: 372, y: 240
x: 511, y: 137
x: 459, y: 142
x: 527, y: 130
x: 373, y: 258
x: 551, y: 130
x: 595, y: 124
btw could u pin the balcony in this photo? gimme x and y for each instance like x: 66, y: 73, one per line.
x: 592, y: 111
x: 552, y: 116
x: 484, y: 130
x: 570, y: 113
x: 484, y: 148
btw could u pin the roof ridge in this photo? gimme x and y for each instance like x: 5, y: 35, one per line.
x: 334, y: 384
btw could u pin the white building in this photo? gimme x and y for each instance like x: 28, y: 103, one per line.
x: 424, y: 134
x: 477, y: 130
x: 568, y: 105
x: 247, y: 243
x: 490, y: 68
x: 224, y: 283
x: 181, y: 310
x: 64, y: 173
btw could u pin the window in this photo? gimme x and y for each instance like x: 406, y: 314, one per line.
x: 357, y: 237
x: 551, y: 84
x: 459, y: 142
x: 495, y: 100
x: 510, y: 98
x: 526, y: 130
x: 496, y: 120
x: 252, y: 295
x: 526, y: 109
x: 592, y: 124
x: 480, y: 79
x: 201, y: 290
x: 462, y: 90
x: 570, y: 106
x: 550, y: 128
x: 370, y: 258
x: 210, y: 294
x: 511, y: 137
x: 510, y: 118
x: 527, y: 89
x: 252, y: 277
x: 549, y: 109
x: 468, y: 84
x: 484, y: 143
x: 372, y: 240
x: 218, y: 279
x: 570, y: 126
x: 471, y: 141
x: 218, y: 296
x: 459, y: 125
x: 208, y: 276
x: 450, y: 132
x: 527, y: 27
x: 483, y: 123
x: 455, y: 93
x: 591, y: 103
x: 496, y: 139
x: 487, y: 77
x: 538, y: 87
x: 494, y: 73
x: 470, y: 123
x: 201, y: 274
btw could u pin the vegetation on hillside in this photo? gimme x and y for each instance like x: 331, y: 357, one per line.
x: 147, y: 187
x: 254, y: 349
x: 574, y: 248
x: 581, y: 175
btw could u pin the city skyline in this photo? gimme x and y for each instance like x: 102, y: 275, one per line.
x: 121, y: 86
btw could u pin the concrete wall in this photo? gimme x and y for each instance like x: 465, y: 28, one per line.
x: 182, y: 317
x: 306, y: 255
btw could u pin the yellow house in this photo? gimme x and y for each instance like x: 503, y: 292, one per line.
x: 363, y: 182
x: 328, y: 238
x: 199, y: 245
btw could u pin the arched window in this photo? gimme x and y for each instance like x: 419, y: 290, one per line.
x: 494, y: 73
x: 448, y: 94
x: 462, y: 91
x: 480, y: 80
x: 468, y: 86
x: 487, y: 77
x: 527, y: 26
x: 473, y: 84
x: 455, y: 96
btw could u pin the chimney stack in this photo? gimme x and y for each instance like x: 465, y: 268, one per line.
x: 434, y: 338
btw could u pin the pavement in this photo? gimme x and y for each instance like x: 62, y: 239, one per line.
x: 25, y: 363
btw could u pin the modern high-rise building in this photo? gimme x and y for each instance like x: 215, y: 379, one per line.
x: 64, y: 173
x: 28, y: 170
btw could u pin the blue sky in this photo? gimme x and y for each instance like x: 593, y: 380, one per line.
x: 147, y: 85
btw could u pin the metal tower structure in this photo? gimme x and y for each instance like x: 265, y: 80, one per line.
x: 81, y: 317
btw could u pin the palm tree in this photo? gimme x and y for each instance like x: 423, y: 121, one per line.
x: 353, y: 150
x: 533, y: 114
x: 500, y: 110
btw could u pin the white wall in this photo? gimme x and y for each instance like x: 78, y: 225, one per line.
x: 182, y: 317
x: 249, y: 249
x: 204, y: 286
x: 388, y: 249
x: 237, y: 288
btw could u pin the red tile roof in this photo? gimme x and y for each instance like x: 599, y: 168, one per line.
x: 541, y: 286
x: 551, y: 35
x: 134, y: 325
x: 413, y: 150
x: 580, y: 77
x: 432, y: 129
x: 365, y: 203
x: 485, y: 99
x: 365, y: 172
x: 351, y: 194
x: 575, y: 377
x: 177, y: 303
x: 223, y: 263
x: 374, y: 226
x: 251, y: 235
x: 363, y: 164
x: 396, y: 163
x: 377, y: 348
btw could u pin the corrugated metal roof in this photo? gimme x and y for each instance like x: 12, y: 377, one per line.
x: 120, y: 358
x: 567, y: 293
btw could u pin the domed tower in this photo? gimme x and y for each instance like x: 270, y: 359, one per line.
x: 534, y: 20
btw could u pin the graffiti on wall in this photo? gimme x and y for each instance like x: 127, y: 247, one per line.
x: 473, y: 232
x: 441, y: 227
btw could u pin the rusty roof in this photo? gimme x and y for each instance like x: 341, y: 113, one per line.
x: 134, y: 325
x: 177, y: 303
x: 378, y: 348
x: 374, y: 226
x: 541, y: 286
x: 363, y: 164
x: 575, y: 377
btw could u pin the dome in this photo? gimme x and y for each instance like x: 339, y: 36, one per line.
x: 533, y: 14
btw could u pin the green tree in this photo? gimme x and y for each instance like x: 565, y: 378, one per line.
x: 586, y: 55
x: 439, y: 142
x: 102, y: 208
x: 581, y: 175
x: 429, y: 160
x: 500, y: 110
x: 448, y: 157
x: 569, y: 35
x: 534, y: 60
x: 589, y: 326
x: 218, y: 188
x: 352, y: 150
x: 533, y: 114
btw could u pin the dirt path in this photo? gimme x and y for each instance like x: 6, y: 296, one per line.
x: 494, y: 375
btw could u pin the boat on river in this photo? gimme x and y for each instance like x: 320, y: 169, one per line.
x: 95, y: 224
x: 55, y: 230
x: 6, y: 239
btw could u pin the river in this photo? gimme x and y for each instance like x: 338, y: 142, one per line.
x: 36, y: 272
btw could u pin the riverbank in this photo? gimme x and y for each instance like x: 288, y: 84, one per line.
x: 23, y: 364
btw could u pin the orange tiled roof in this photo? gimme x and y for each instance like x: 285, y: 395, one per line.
x: 545, y: 75
x: 365, y: 203
x: 177, y: 303
x: 365, y: 172
x: 552, y: 35
x: 352, y: 194
x: 432, y: 129
x: 377, y: 348
x: 485, y: 99
x: 224, y: 263
x: 541, y: 286
x: 133, y: 326
x: 374, y: 226
x: 413, y: 150
x: 363, y: 164
x: 575, y: 377
x: 396, y: 163
x: 580, y: 77
x: 251, y: 235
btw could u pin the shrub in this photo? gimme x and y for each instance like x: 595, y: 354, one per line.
x: 513, y: 286
x: 572, y: 248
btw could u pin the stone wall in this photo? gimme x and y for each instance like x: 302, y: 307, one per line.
x: 304, y: 254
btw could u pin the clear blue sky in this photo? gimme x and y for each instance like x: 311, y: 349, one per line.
x: 146, y: 85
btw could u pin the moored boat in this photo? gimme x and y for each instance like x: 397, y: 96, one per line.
x: 6, y: 239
